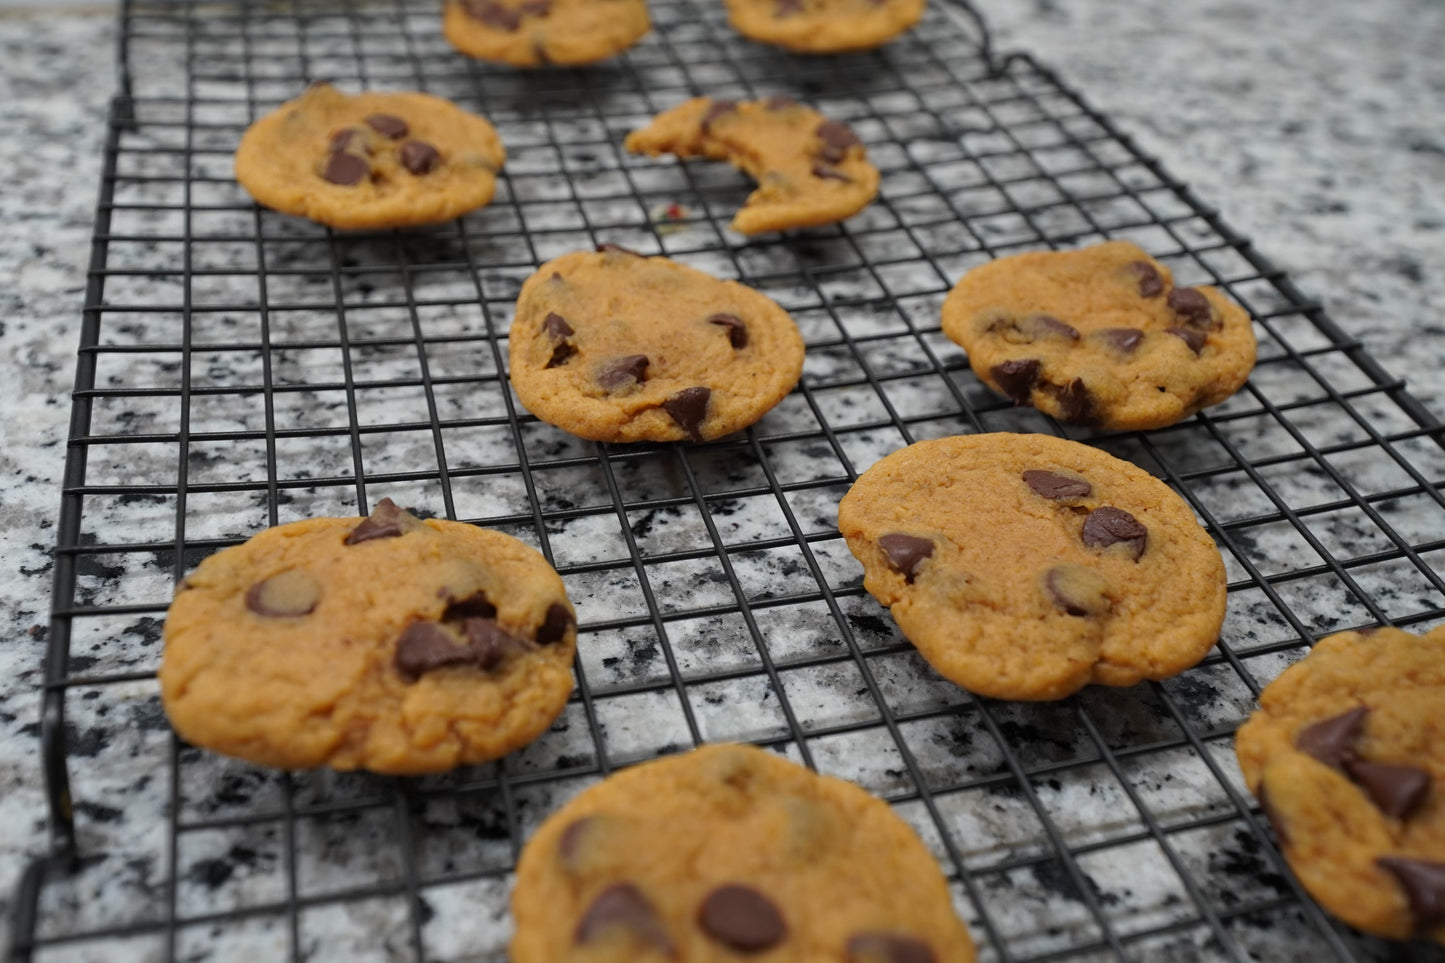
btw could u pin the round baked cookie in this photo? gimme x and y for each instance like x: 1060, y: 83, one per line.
x: 371, y: 161
x: 1347, y: 756
x: 614, y: 346
x: 388, y: 643
x: 810, y: 170
x: 823, y: 26
x: 1027, y: 566
x: 531, y: 33
x: 730, y: 852
x: 1099, y: 336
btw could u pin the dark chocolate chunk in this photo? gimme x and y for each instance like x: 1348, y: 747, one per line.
x: 284, y: 595
x: 1017, y: 378
x: 737, y: 331
x: 424, y: 646
x: 1191, y: 305
x: 385, y: 521
x: 345, y: 169
x: 388, y: 125
x: 1194, y: 339
x: 715, y: 110
x: 905, y: 552
x: 608, y: 246
x: 622, y: 906
x: 1121, y: 339
x: 555, y: 624
x: 1076, y: 405
x: 1053, y: 485
x: 1151, y: 282
x: 688, y: 408
x: 1107, y: 525
x: 825, y: 173
x: 493, y: 14
x: 1424, y: 885
x: 742, y: 918
x: 474, y: 606
x: 419, y: 157
x: 779, y: 102
x: 887, y: 948
x: 489, y: 642
x: 620, y: 372
x: 1332, y: 740
x: 1397, y: 790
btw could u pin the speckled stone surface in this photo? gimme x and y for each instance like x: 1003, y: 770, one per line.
x: 1306, y: 123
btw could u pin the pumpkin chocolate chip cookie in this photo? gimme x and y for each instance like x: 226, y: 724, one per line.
x: 810, y: 170
x: 1347, y: 756
x: 370, y: 161
x: 531, y: 33
x: 613, y: 346
x: 388, y: 643
x: 823, y: 26
x: 726, y: 852
x: 1027, y: 566
x: 1099, y: 336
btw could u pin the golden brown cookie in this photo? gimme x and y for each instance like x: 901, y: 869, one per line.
x: 1027, y: 566
x: 1099, y: 336
x: 613, y: 346
x: 810, y: 170
x: 823, y: 26
x: 1347, y: 756
x: 386, y: 643
x: 370, y: 161
x: 730, y: 852
x: 531, y: 33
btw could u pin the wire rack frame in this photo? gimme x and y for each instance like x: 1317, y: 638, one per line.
x: 238, y: 369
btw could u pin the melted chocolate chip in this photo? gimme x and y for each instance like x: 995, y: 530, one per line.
x: 737, y: 331
x: 1332, y: 740
x: 607, y: 246
x: 1121, y: 339
x: 1194, y: 339
x: 1053, y: 485
x: 825, y: 173
x: 489, y: 642
x: 474, y: 606
x: 388, y: 125
x: 345, y: 169
x: 1017, y: 378
x: 424, y: 646
x: 1192, y: 306
x: 1424, y: 885
x: 493, y: 14
x: 1107, y: 526
x: 715, y: 110
x: 555, y: 624
x: 622, y: 906
x: 887, y: 948
x: 1151, y: 282
x: 1076, y: 590
x: 1397, y: 790
x: 286, y: 594
x: 688, y: 408
x: 621, y: 372
x: 419, y: 157
x: 385, y: 521
x: 905, y: 552
x: 779, y: 103
x: 742, y: 918
x: 1076, y: 405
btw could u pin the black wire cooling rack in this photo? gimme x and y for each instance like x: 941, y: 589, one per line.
x: 238, y: 369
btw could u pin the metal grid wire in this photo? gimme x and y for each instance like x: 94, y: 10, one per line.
x: 239, y: 369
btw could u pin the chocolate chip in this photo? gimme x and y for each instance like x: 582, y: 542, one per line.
x: 835, y: 133
x: 1037, y: 326
x: 1151, y: 282
x: 622, y: 907
x: 555, y: 326
x: 385, y: 521
x: 1121, y: 339
x: 1076, y: 405
x: 1191, y: 305
x: 555, y: 624
x: 779, y: 103
x: 1424, y: 885
x: 742, y: 918
x: 388, y: 125
x: 489, y: 642
x: 1107, y: 526
x: 474, y: 606
x: 688, y: 408
x: 905, y: 552
x: 1332, y: 740
x: 1058, y: 487
x: 608, y: 246
x: 1194, y: 339
x: 1397, y: 790
x: 493, y: 14
x: 419, y: 157
x: 737, y: 331
x: 621, y: 372
x: 560, y: 354
x: 825, y: 173
x: 343, y: 139
x: 887, y: 948
x: 569, y: 844
x: 424, y: 646
x: 284, y: 595
x: 1016, y: 378
x: 715, y: 110
x: 1077, y: 590
x: 345, y: 169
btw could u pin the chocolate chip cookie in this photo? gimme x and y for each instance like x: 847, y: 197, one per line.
x: 388, y: 643
x: 1027, y: 566
x: 810, y: 170
x: 823, y: 26
x: 1099, y: 336
x: 370, y: 161
x: 531, y: 33
x: 613, y: 346
x: 1347, y: 756
x: 729, y: 852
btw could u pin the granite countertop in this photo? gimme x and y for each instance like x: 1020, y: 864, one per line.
x: 1314, y: 125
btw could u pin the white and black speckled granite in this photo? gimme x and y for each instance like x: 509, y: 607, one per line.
x: 1306, y: 123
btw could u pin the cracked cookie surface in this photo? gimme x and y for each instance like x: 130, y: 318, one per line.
x: 1346, y: 754
x: 1028, y: 566
x: 533, y: 33
x: 1099, y: 336
x: 614, y: 346
x: 387, y: 643
x: 823, y: 26
x: 729, y: 852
